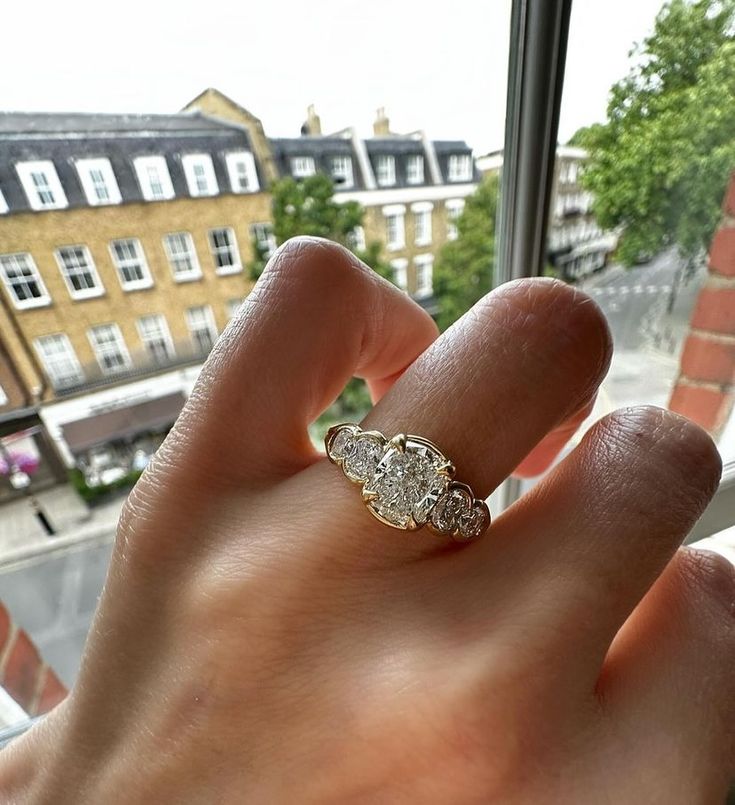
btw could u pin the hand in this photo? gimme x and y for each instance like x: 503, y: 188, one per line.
x: 262, y: 639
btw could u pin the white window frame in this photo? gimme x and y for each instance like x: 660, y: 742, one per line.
x: 454, y: 208
x: 347, y: 175
x: 400, y: 273
x: 302, y: 166
x: 232, y: 306
x: 414, y: 175
x: 163, y: 335
x: 459, y: 168
x: 3, y: 396
x: 208, y: 320
x: 237, y: 160
x: 356, y: 239
x: 422, y: 261
x: 158, y: 163
x: 192, y: 165
x: 385, y: 170
x: 100, y: 350
x: 3, y: 204
x: 97, y: 289
x: 195, y: 272
x: 231, y: 248
x: 34, y: 276
x: 422, y: 212
x: 123, y: 263
x: 85, y: 169
x: 397, y: 211
x: 58, y: 381
x: 46, y: 167
x: 262, y: 233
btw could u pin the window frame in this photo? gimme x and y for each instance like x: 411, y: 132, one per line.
x: 420, y: 176
x: 98, y: 289
x: 146, y: 281
x: 423, y: 211
x: 399, y: 266
x: 210, y: 321
x: 348, y: 175
x: 302, y: 174
x: 78, y: 377
x: 25, y: 170
x: 195, y: 273
x: 120, y: 342
x: 214, y: 250
x: 268, y: 244
x: 454, y: 207
x: 454, y: 175
x: 383, y: 160
x: 25, y: 304
x: 421, y: 261
x: 203, y: 160
x: 232, y: 159
x: 85, y: 167
x: 395, y: 211
x: 3, y: 204
x: 169, y: 349
x: 141, y: 165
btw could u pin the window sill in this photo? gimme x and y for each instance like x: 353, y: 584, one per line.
x: 187, y: 277
x: 29, y: 304
x: 82, y: 296
x: 395, y: 247
x: 137, y: 286
x: 224, y: 272
x: 422, y: 243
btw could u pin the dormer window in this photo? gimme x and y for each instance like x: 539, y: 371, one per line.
x: 385, y: 170
x: 41, y: 184
x: 415, y: 169
x: 341, y: 171
x: 301, y: 167
x: 200, y: 176
x: 243, y: 173
x: 98, y: 181
x: 460, y: 168
x: 154, y: 178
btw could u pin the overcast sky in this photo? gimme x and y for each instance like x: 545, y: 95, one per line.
x: 438, y: 66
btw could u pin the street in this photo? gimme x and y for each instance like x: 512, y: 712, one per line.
x: 53, y: 592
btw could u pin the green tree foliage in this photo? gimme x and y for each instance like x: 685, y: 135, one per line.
x: 307, y: 207
x: 659, y: 167
x: 464, y: 270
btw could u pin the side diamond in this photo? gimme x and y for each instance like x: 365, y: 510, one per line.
x: 360, y: 464
x: 342, y: 443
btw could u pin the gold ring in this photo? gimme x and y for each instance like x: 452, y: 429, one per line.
x: 407, y: 482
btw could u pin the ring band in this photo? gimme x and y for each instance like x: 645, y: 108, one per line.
x: 407, y: 482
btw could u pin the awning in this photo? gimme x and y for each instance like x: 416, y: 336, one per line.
x: 123, y: 423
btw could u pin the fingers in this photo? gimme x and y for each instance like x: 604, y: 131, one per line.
x: 589, y: 541
x: 315, y: 318
x: 669, y: 674
x: 523, y: 360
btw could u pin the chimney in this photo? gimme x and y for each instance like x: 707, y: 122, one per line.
x: 313, y: 125
x: 381, y: 126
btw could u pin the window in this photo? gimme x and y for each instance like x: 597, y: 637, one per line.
x: 3, y: 396
x: 301, y: 167
x: 400, y: 273
x: 460, y: 168
x: 132, y: 267
x: 156, y: 338
x: 264, y: 238
x: 59, y: 360
x: 154, y: 178
x: 79, y: 272
x: 224, y: 251
x: 394, y: 226
x: 182, y: 256
x: 242, y: 171
x: 422, y: 222
x: 3, y: 204
x: 202, y: 327
x: 98, y: 181
x: 415, y: 169
x: 200, y: 177
x: 232, y: 306
x: 385, y: 170
x: 41, y: 184
x: 424, y: 275
x: 109, y: 348
x: 23, y: 281
x: 356, y: 239
x: 455, y: 208
x: 341, y: 171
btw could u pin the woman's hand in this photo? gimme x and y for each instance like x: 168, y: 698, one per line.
x: 262, y: 639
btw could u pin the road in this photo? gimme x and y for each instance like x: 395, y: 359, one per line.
x: 53, y: 595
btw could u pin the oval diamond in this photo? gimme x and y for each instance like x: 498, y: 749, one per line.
x: 360, y: 464
x: 341, y: 444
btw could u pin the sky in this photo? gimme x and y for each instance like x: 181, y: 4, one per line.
x: 438, y: 67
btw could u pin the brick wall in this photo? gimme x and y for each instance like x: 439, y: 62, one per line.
x: 705, y: 388
x: 23, y: 673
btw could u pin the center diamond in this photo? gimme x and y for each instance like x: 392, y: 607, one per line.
x: 406, y: 484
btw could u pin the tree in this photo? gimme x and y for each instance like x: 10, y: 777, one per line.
x: 659, y: 166
x: 464, y: 270
x: 307, y: 207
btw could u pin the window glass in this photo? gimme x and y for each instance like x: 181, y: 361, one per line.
x: 182, y: 256
x: 22, y: 280
x: 129, y: 259
x: 59, y: 360
x: 224, y: 250
x: 109, y: 348
x: 79, y: 272
x: 156, y: 338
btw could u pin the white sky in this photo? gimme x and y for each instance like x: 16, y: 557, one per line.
x: 439, y: 66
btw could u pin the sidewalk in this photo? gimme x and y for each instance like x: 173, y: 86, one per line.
x: 22, y: 536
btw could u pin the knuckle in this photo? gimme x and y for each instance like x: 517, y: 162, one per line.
x: 314, y: 260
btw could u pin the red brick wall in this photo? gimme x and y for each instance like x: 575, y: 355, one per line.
x: 23, y: 673
x: 705, y: 389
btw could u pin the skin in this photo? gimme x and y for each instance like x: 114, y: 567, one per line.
x: 262, y: 639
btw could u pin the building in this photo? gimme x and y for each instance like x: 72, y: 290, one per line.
x: 124, y: 245
x: 411, y: 188
x: 576, y: 244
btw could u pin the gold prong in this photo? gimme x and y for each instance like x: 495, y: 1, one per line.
x: 368, y: 495
x: 412, y: 525
x: 399, y: 442
x: 447, y: 470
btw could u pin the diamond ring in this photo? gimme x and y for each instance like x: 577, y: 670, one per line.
x: 407, y: 482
